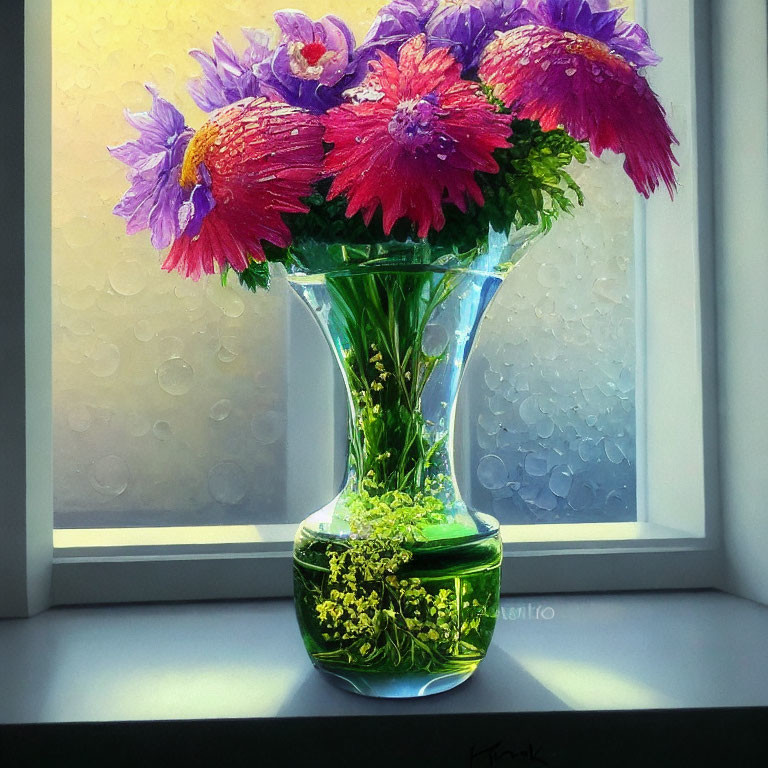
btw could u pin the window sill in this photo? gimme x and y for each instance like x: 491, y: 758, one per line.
x: 575, y: 653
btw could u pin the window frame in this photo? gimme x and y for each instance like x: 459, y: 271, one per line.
x: 676, y: 542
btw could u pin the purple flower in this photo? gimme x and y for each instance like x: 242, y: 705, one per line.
x: 469, y: 25
x: 593, y: 18
x: 395, y: 23
x: 155, y: 196
x: 227, y: 77
x: 313, y: 63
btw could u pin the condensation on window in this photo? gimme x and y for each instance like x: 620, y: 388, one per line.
x: 169, y: 401
x: 550, y: 393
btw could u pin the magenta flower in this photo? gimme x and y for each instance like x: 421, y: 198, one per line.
x: 576, y: 81
x: 214, y: 195
x: 250, y: 163
x: 412, y: 138
x: 227, y: 77
x: 154, y: 159
x: 595, y: 19
x: 312, y: 64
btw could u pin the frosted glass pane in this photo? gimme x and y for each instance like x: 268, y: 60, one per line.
x: 551, y: 399
x: 170, y: 396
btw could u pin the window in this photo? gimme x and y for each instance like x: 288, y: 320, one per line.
x: 671, y: 526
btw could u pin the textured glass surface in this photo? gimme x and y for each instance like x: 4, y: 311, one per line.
x: 551, y: 388
x: 170, y: 396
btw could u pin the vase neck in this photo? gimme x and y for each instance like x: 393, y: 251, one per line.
x: 402, y: 338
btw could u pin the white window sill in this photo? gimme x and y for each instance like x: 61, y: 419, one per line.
x: 575, y: 653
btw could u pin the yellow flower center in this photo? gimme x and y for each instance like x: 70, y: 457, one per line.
x: 195, y: 153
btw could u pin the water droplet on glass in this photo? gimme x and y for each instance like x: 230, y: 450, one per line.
x: 227, y: 482
x: 581, y: 495
x: 536, y: 465
x: 492, y: 472
x: 171, y: 346
x: 529, y: 410
x: 175, y: 376
x: 267, y: 427
x: 128, y: 277
x: 545, y: 428
x: 492, y: 379
x: 549, y: 275
x: 560, y: 481
x: 79, y: 418
x: 626, y: 381
x: 103, y: 359
x: 612, y: 451
x: 109, y: 475
x: 137, y: 424
x: 225, y: 299
x: 220, y: 410
x: 162, y: 430
x: 545, y: 500
x: 609, y: 289
x: 488, y: 422
x: 434, y: 340
x: 143, y: 330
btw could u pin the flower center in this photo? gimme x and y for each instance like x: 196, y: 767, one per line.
x: 588, y: 47
x: 313, y: 52
x: 414, y: 122
x: 195, y: 153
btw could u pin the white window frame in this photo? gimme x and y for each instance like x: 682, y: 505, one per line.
x: 674, y: 544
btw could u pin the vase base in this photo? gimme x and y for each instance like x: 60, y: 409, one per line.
x: 396, y: 686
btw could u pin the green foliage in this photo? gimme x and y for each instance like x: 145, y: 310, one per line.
x: 256, y: 276
x: 367, y: 611
x: 382, y: 317
x: 532, y: 188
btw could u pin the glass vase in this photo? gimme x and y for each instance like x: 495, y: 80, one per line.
x: 396, y: 579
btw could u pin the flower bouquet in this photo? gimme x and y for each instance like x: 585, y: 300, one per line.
x: 395, y: 183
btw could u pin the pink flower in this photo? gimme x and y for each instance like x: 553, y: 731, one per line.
x: 250, y: 163
x: 412, y: 138
x: 569, y: 79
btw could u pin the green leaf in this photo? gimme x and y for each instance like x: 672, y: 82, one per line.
x: 255, y: 276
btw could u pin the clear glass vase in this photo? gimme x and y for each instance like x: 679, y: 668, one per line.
x: 396, y: 579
